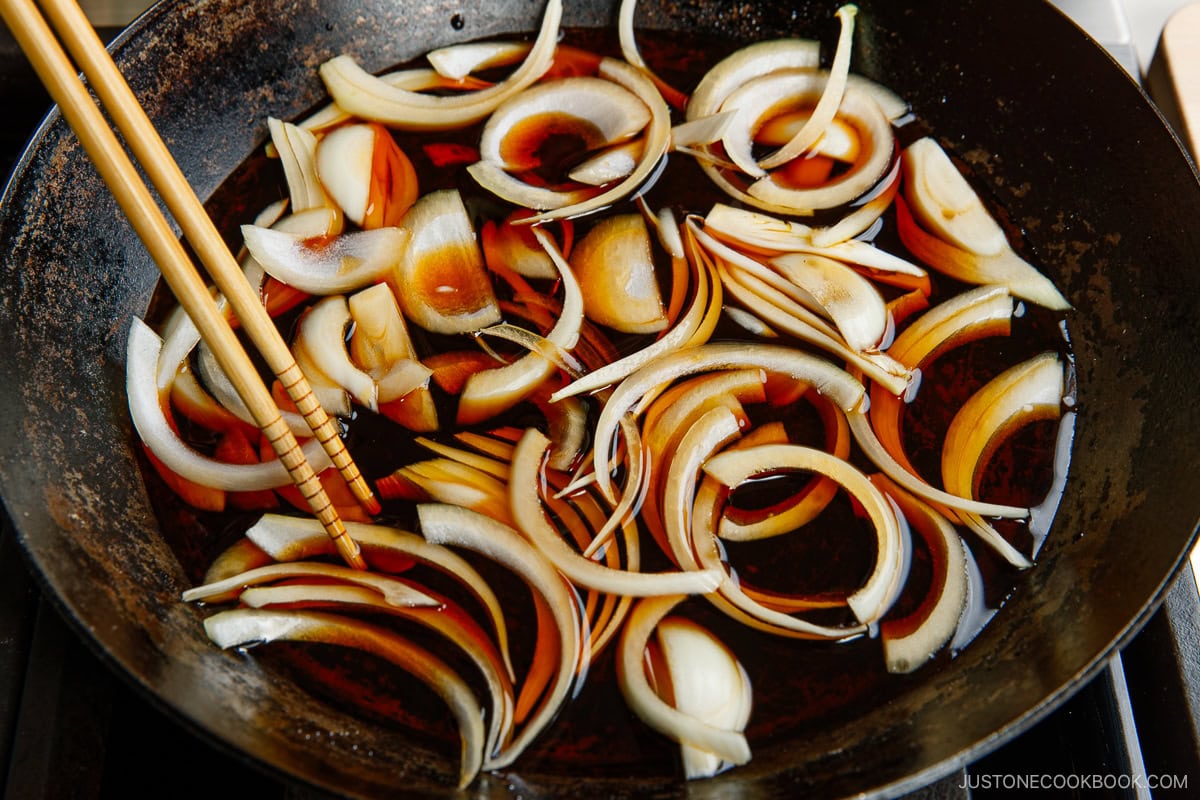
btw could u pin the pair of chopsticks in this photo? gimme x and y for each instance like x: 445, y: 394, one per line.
x: 61, y: 79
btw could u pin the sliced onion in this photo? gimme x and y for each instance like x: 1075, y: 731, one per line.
x: 327, y: 266
x: 610, y: 164
x: 870, y: 602
x: 442, y: 284
x: 367, y: 174
x: 145, y: 407
x: 746, y: 64
x: 294, y: 538
x: 831, y: 97
x: 820, y: 374
x: 631, y: 676
x: 393, y: 590
x: 615, y: 269
x: 706, y: 682
x: 457, y: 61
x: 322, y: 334
x: 223, y: 391
x: 458, y: 527
x: 945, y: 204
x: 850, y: 300
x: 366, y: 96
x: 910, y: 641
x: 297, y: 149
x: 1030, y: 391
x: 525, y: 501
x: 245, y: 627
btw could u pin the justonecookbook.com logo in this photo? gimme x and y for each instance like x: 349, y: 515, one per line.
x: 1110, y: 781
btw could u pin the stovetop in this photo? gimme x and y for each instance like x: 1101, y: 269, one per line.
x: 70, y: 728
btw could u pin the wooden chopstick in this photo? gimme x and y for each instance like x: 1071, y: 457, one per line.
x: 58, y: 75
x: 151, y: 152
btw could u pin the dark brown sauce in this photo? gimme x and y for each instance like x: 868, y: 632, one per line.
x: 799, y: 686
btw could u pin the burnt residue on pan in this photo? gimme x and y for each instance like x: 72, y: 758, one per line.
x: 1098, y: 189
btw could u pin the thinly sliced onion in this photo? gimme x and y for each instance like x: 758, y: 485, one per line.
x: 1025, y: 393
x: 870, y: 602
x: 322, y: 333
x: 706, y: 682
x: 826, y: 108
x: 327, y: 266
x: 449, y: 621
x: 488, y: 392
x: 945, y: 204
x: 294, y: 538
x: 332, y: 397
x: 824, y: 377
x: 700, y: 132
x: 297, y: 150
x: 631, y: 676
x: 910, y: 641
x: 1007, y: 268
x: 223, y: 391
x: 692, y: 326
x: 608, y: 114
x: 459, y: 527
x: 610, y: 164
x: 366, y: 96
x: 615, y: 269
x: 849, y: 299
x: 750, y: 62
x: 441, y: 281
x: 457, y: 61
x: 525, y: 501
x: 145, y: 407
x: 393, y: 590
x: 246, y: 627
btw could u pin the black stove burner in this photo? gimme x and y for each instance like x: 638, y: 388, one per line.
x: 70, y: 729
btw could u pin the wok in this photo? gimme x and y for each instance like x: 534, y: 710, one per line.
x: 1060, y: 136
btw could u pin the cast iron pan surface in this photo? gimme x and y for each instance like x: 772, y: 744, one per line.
x: 1060, y: 137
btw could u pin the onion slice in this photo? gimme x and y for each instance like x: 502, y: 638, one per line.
x: 459, y: 527
x: 326, y: 265
x: 146, y: 409
x: 525, y: 501
x: 322, y: 333
x: 393, y: 590
x: 870, y: 602
x: 727, y: 744
x: 369, y: 97
x: 245, y: 627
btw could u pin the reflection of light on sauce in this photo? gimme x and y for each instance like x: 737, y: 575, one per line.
x: 1042, y: 515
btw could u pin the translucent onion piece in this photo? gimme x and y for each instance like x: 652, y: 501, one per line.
x: 824, y: 377
x: 945, y: 204
x: 615, y: 268
x: 453, y: 483
x: 332, y: 397
x: 460, y: 60
x: 492, y: 177
x: 394, y: 591
x: 380, y: 336
x: 912, y: 640
x: 831, y: 97
x: 750, y: 323
x: 526, y: 504
x: 608, y: 114
x: 441, y: 281
x: 700, y: 132
x: 146, y: 409
x: 692, y: 326
x: 451, y: 622
x: 727, y: 744
x: 870, y: 602
x: 655, y: 142
x: 610, y: 164
x: 223, y: 391
x: 1027, y: 392
x: 326, y: 265
x: 489, y: 392
x: 849, y: 299
x: 759, y: 231
x: 871, y: 207
x: 865, y: 436
x: 287, y: 538
x: 707, y: 682
x: 366, y: 96
x: 297, y: 150
x: 462, y: 528
x: 1006, y: 268
x: 746, y: 64
x: 322, y: 333
x: 245, y: 627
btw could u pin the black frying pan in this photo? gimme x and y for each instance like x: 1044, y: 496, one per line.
x: 1061, y: 137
